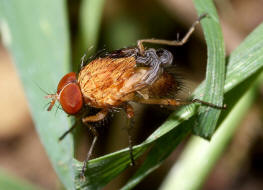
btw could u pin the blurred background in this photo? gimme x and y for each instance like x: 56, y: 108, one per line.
x: 123, y: 23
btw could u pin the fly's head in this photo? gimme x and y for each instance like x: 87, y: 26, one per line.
x: 68, y: 94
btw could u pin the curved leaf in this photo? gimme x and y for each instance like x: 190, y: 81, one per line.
x: 215, y: 71
x: 36, y: 34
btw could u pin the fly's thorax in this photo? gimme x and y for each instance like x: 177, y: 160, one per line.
x: 102, y: 80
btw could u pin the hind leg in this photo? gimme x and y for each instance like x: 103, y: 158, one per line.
x: 130, y: 115
x: 168, y: 42
x: 173, y: 102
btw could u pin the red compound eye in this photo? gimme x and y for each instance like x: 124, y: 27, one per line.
x: 68, y: 78
x: 71, y: 98
x: 69, y: 93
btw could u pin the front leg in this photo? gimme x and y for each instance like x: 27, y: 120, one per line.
x: 97, y: 117
x: 93, y: 118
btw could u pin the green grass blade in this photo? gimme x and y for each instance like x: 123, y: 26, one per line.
x: 90, y: 16
x: 232, y: 95
x: 215, y: 71
x: 101, y: 167
x: 102, y: 170
x: 89, y: 25
x: 244, y: 61
x: 160, y: 151
x: 36, y: 34
x: 199, y: 157
x: 8, y: 182
x: 242, y: 66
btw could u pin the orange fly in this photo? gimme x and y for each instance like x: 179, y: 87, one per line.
x: 127, y: 75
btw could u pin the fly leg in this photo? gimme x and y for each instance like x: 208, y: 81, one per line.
x: 173, y: 102
x: 67, y: 132
x: 130, y: 114
x: 168, y: 42
x: 93, y: 118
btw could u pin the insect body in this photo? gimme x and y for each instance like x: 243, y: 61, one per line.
x: 118, y: 78
x: 110, y: 81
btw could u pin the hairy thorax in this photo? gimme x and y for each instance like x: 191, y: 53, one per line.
x: 107, y: 82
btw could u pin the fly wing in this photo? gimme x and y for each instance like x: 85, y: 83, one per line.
x: 166, y: 86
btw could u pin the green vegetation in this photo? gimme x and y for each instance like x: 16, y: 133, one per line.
x: 37, y: 35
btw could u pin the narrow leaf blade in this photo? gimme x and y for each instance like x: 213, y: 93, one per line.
x: 36, y: 34
x: 215, y: 71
